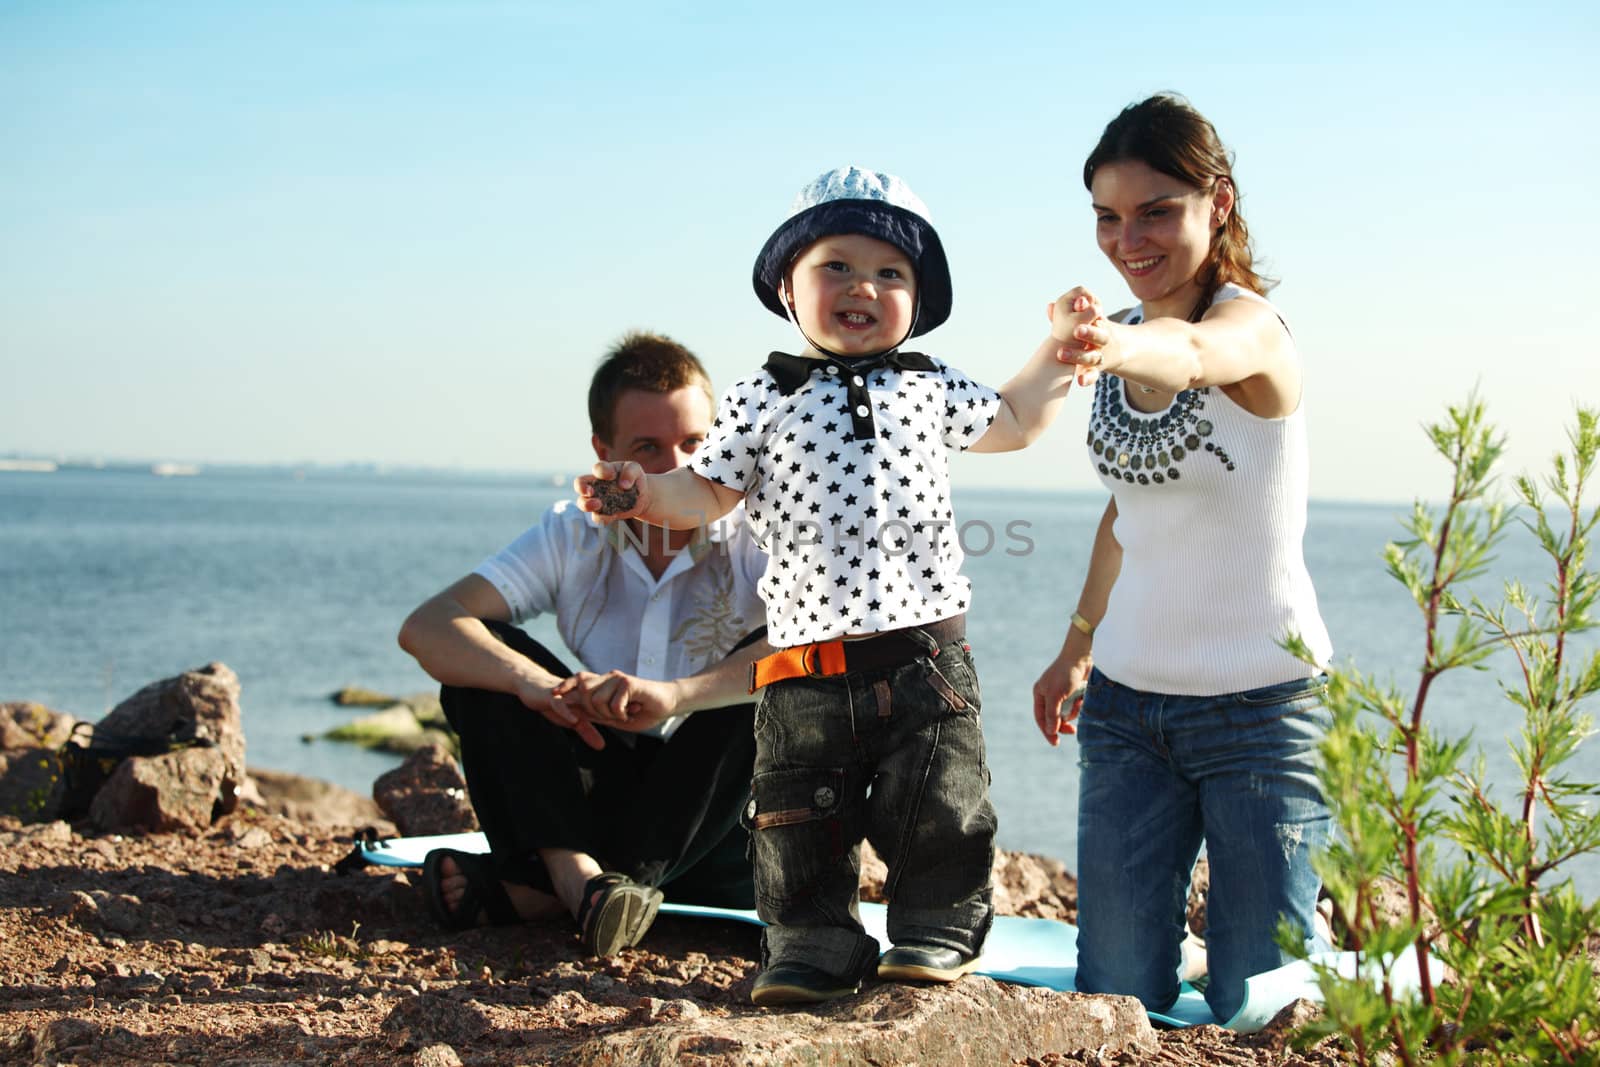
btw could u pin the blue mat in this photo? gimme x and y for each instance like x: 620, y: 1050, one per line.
x: 1036, y: 952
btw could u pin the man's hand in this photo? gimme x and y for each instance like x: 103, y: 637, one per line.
x: 614, y: 491
x: 543, y: 700
x: 619, y: 700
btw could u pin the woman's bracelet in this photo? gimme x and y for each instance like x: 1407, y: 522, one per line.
x: 1082, y: 625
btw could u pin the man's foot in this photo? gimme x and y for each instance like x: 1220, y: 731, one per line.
x: 798, y: 983
x: 615, y: 913
x: 925, y: 963
x: 463, y: 892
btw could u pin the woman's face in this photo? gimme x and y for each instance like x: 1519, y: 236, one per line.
x: 1157, y: 230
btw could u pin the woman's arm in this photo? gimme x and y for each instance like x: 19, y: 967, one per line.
x: 1069, y: 672
x: 1240, y: 345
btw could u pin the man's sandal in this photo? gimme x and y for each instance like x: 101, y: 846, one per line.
x: 618, y: 917
x: 484, y: 895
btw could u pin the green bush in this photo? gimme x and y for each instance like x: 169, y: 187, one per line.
x: 1496, y: 910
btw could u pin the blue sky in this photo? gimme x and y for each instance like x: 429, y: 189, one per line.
x: 403, y: 232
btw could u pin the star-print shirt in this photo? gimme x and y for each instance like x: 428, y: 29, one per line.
x: 851, y: 500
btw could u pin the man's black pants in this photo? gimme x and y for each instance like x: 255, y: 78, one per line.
x: 665, y: 813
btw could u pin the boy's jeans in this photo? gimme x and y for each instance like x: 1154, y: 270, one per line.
x: 1156, y: 773
x: 895, y: 756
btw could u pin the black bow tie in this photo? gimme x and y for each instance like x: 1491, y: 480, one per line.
x: 791, y: 372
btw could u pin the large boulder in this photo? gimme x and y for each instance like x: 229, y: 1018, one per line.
x: 201, y: 703
x: 175, y: 792
x: 426, y: 794
x: 976, y: 1020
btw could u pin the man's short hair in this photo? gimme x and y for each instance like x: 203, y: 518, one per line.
x: 652, y: 362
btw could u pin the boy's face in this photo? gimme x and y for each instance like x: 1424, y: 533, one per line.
x: 658, y: 431
x: 853, y: 295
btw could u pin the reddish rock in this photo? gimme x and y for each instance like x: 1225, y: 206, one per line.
x: 309, y: 800
x: 202, y: 703
x: 179, y: 791
x: 426, y: 795
x: 30, y: 783
x: 976, y: 1020
x: 24, y: 724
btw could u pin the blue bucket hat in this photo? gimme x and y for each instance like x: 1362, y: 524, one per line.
x: 870, y: 203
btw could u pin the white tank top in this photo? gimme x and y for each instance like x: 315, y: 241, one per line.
x: 1211, y: 515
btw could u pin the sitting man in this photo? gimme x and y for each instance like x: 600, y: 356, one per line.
x: 599, y: 791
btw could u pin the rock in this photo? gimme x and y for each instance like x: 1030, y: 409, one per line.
x: 426, y: 795
x: 1199, y: 892
x: 179, y: 791
x: 309, y: 800
x: 431, y: 1019
x: 1024, y: 884
x: 1036, y: 886
x: 24, y: 724
x: 209, y: 699
x: 355, y: 696
x: 436, y: 1056
x: 1278, y: 1034
x: 30, y: 783
x: 976, y: 1020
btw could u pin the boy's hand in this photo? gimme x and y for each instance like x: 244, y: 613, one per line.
x: 614, y: 491
x: 1076, y: 321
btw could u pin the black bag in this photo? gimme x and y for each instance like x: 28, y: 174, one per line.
x: 85, y: 765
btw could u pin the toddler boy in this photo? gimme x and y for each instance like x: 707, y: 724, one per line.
x: 867, y: 724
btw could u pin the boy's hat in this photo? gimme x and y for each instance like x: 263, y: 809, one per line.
x: 870, y: 203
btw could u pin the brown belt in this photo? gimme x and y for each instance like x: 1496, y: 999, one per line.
x: 827, y: 659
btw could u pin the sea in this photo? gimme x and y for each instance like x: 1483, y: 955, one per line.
x: 299, y: 579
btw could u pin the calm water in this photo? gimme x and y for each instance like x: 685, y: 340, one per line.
x: 110, y: 580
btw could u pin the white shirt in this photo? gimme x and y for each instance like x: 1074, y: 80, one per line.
x: 860, y: 531
x: 613, y: 614
x: 1211, y: 516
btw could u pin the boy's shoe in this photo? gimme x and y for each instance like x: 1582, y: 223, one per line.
x: 799, y: 983
x: 925, y: 963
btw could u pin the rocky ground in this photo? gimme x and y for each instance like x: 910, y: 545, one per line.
x: 192, y: 914
x: 242, y: 946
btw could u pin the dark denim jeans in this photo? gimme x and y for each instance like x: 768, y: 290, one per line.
x: 895, y: 756
x: 1156, y: 774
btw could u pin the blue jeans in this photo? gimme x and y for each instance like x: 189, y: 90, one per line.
x: 892, y: 755
x: 1157, y: 774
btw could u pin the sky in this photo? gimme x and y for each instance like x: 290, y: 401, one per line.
x: 403, y: 232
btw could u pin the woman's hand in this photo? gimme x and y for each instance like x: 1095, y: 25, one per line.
x: 1060, y: 689
x: 614, y: 491
x: 1079, y: 325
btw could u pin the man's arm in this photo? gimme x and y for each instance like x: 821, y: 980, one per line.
x: 446, y: 636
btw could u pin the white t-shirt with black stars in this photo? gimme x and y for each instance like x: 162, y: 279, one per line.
x: 860, y: 532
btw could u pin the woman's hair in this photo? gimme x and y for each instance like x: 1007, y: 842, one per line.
x: 1167, y: 134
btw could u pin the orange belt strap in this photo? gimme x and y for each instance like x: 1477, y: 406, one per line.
x: 822, y: 660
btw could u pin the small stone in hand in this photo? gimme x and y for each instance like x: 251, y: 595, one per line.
x: 613, y: 498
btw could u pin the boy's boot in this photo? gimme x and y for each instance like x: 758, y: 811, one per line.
x: 799, y: 983
x: 925, y: 963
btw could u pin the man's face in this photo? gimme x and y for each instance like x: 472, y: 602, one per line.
x: 658, y: 431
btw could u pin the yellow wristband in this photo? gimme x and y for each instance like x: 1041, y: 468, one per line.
x: 1082, y: 625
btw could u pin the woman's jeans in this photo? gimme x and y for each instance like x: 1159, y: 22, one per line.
x: 1156, y: 775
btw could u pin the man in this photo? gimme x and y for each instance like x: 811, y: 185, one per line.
x: 598, y: 789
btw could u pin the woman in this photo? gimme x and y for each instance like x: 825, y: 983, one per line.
x: 1197, y: 723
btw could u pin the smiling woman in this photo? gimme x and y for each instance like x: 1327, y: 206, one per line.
x: 1194, y: 723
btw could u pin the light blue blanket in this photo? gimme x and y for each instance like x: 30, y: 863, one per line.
x: 1037, y: 952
